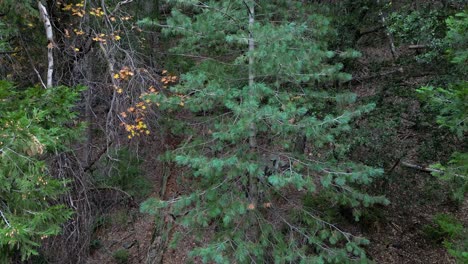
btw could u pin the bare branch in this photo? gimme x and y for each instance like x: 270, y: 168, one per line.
x: 426, y: 169
x: 4, y: 219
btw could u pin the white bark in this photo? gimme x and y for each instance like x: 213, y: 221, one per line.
x: 5, y: 219
x: 50, y: 39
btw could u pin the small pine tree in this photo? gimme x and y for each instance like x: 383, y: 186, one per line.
x: 265, y: 133
x: 31, y: 125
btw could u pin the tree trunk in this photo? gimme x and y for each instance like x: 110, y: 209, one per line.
x: 253, y: 128
x: 389, y: 35
x: 50, y: 39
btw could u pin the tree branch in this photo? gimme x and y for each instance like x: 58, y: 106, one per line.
x: 427, y: 169
x: 4, y: 219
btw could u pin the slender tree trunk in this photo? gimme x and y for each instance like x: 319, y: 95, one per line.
x: 253, y: 128
x: 389, y: 35
x: 50, y: 39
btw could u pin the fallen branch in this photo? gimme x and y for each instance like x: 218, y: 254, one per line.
x: 421, y: 46
x: 419, y: 167
x: 427, y: 169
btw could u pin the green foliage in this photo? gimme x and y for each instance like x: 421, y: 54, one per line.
x: 458, y: 249
x: 33, y: 123
x: 450, y: 103
x: 242, y: 188
x: 19, y: 11
x: 418, y: 27
x: 456, y: 39
x: 349, y: 17
x: 448, y: 230
x: 122, y: 170
x: 6, y: 32
x: 444, y: 227
x: 95, y: 244
x: 455, y: 173
x: 101, y: 221
x: 434, y: 28
x: 121, y: 256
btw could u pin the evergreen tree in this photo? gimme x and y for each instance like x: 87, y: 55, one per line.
x: 450, y: 104
x: 269, y: 134
x: 31, y: 126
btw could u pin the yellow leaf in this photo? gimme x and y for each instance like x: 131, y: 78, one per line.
x: 116, y: 76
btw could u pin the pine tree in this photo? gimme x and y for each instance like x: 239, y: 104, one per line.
x: 449, y: 104
x: 31, y: 127
x: 270, y: 131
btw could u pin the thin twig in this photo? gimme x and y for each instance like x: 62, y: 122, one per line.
x: 4, y: 219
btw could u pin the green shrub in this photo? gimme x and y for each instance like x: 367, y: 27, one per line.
x: 123, y: 171
x: 444, y: 226
x: 95, y: 244
x: 121, y: 256
x: 454, y: 237
x: 101, y: 221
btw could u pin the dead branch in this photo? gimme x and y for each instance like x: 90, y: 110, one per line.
x: 5, y: 219
x: 89, y: 167
x: 420, y: 46
x: 121, y: 4
x: 427, y: 169
x: 419, y: 167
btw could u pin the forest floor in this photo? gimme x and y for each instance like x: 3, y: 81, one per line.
x: 395, y: 231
